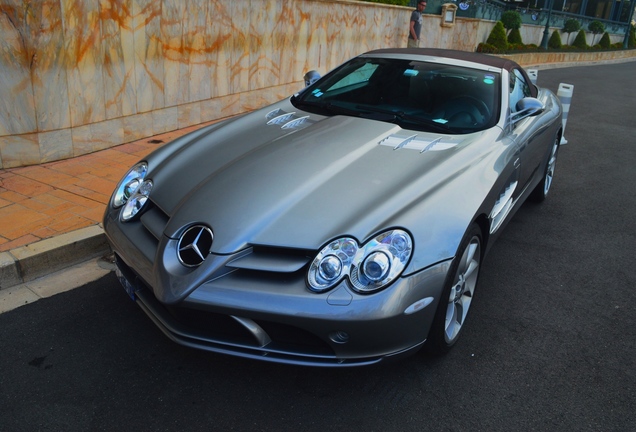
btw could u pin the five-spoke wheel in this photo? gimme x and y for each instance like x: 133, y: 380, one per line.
x: 540, y: 193
x: 457, y: 297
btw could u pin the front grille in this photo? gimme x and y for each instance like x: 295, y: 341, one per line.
x: 154, y: 220
x: 224, y: 329
x: 272, y: 260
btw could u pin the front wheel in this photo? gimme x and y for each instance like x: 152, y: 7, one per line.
x: 540, y: 193
x: 457, y: 295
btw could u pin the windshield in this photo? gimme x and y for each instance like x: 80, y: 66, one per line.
x: 416, y: 95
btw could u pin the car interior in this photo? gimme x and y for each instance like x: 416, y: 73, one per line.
x: 460, y: 98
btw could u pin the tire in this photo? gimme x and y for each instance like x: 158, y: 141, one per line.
x: 540, y: 192
x: 457, y: 295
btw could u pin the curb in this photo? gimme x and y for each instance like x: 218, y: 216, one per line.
x: 33, y: 261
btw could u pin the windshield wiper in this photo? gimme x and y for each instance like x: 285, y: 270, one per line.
x: 402, y: 117
x: 327, y: 106
x: 373, y: 113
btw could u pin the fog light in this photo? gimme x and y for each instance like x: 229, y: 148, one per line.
x: 339, y: 337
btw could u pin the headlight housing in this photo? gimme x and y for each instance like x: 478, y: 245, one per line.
x: 132, y: 192
x: 129, y: 184
x: 136, y: 201
x: 369, y: 267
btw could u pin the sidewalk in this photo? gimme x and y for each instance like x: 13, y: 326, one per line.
x: 51, y: 214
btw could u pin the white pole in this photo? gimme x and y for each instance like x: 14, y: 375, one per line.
x: 565, y: 95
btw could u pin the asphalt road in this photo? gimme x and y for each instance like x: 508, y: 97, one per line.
x: 550, y: 345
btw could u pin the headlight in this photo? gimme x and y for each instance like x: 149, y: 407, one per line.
x: 129, y: 184
x: 332, y: 264
x: 136, y: 201
x: 369, y: 267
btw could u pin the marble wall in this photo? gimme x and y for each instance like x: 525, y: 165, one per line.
x: 77, y: 76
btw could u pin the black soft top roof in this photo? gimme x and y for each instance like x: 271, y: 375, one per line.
x: 485, y: 59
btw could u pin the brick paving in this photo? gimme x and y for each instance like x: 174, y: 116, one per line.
x: 43, y: 201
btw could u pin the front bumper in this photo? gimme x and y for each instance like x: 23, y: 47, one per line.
x: 264, y: 314
x: 337, y: 330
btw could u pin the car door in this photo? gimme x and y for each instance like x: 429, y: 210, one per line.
x: 526, y: 133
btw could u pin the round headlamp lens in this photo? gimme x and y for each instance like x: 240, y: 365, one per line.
x: 376, y: 266
x: 330, y: 268
x: 400, y: 242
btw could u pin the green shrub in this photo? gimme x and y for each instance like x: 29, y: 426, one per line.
x: 605, y: 41
x: 486, y: 48
x: 631, y: 42
x: 514, y: 37
x: 497, y: 37
x: 511, y: 20
x: 571, y: 26
x: 596, y: 27
x: 580, y: 42
x: 555, y: 40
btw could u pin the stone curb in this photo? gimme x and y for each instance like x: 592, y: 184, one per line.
x: 30, y: 262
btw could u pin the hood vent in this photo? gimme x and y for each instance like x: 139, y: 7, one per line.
x: 413, y: 142
x: 287, y: 120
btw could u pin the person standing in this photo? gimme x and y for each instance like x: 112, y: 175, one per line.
x: 415, y: 26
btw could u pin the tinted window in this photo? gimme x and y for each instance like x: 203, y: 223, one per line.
x: 416, y: 95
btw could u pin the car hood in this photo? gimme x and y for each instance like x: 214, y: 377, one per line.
x: 302, y: 185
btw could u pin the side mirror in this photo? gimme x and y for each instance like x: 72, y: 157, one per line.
x: 311, y: 77
x: 527, y: 107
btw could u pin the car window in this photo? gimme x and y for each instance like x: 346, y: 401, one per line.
x: 360, y: 75
x: 519, y: 89
x: 416, y: 95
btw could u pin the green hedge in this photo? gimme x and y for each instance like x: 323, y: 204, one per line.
x: 499, y: 43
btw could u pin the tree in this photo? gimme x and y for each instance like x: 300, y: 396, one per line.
x: 596, y: 27
x: 511, y: 20
x: 555, y: 40
x: 580, y: 41
x: 514, y: 37
x: 605, y: 41
x: 571, y: 25
x: 498, y: 38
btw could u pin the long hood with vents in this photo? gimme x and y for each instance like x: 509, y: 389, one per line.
x: 286, y: 178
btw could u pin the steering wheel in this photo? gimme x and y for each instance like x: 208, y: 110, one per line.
x: 464, y: 118
x: 479, y: 104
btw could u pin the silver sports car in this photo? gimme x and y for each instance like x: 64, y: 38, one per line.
x: 345, y: 225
